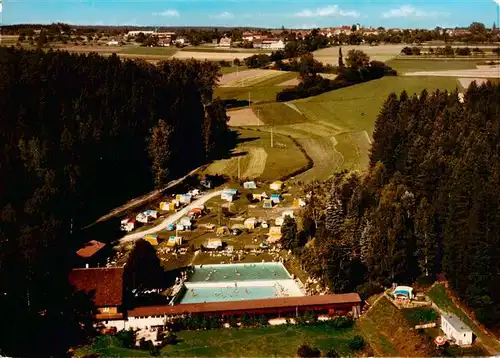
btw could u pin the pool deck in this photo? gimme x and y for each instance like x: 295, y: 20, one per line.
x: 290, y: 286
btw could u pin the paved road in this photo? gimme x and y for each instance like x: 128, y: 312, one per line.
x: 141, y: 200
x: 172, y: 219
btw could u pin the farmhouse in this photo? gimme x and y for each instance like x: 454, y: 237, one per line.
x: 225, y: 42
x: 105, y: 285
x: 456, y: 330
x: 273, y: 44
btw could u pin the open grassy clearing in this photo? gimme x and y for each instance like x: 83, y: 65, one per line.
x: 355, y: 108
x: 226, y: 70
x: 156, y: 51
x: 271, y: 341
x: 258, y: 159
x: 389, y: 334
x: 249, y: 51
x: 380, y: 53
x: 243, y: 117
x: 279, y: 113
x: 252, y: 77
x: 213, y: 56
x: 256, y: 93
x: 440, y: 297
x: 326, y: 158
x: 354, y: 147
x: 403, y: 66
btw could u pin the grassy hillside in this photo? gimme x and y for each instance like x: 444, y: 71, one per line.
x: 402, y: 65
x: 389, y: 334
x: 272, y: 341
x: 258, y: 159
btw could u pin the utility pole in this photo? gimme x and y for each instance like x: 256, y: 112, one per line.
x: 239, y: 170
x: 272, y: 143
x: 249, y: 101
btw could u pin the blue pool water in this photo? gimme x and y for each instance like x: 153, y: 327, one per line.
x: 239, y: 272
x: 224, y: 294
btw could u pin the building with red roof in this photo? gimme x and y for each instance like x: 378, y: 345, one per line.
x: 92, y: 254
x: 105, y: 287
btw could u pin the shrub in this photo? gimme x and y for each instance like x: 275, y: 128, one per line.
x: 332, y: 353
x: 306, y: 351
x: 357, y: 343
x: 126, y: 338
x: 369, y: 289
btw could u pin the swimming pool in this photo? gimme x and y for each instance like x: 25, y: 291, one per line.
x: 236, y: 291
x: 239, y: 272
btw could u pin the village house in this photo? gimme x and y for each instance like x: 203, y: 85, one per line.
x: 92, y: 254
x: 105, y: 287
x: 273, y: 44
x: 225, y: 42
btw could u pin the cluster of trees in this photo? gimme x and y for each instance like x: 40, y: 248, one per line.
x: 447, y: 51
x: 358, y: 68
x: 428, y: 205
x: 80, y: 134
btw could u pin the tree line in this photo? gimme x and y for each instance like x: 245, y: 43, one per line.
x: 447, y: 51
x: 428, y: 205
x: 80, y: 134
x: 358, y: 68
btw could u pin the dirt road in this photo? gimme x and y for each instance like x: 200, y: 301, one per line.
x: 172, y: 219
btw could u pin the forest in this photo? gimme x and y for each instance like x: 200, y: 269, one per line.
x: 428, y: 207
x: 80, y: 134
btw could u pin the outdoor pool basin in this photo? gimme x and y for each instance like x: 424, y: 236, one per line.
x: 239, y: 272
x: 237, y: 291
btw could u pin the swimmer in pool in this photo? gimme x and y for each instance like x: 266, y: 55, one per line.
x: 246, y: 290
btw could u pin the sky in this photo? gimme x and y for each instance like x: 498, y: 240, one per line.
x: 255, y: 13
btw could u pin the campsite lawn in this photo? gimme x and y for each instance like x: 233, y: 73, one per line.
x: 415, y: 65
x: 389, y: 334
x: 440, y: 297
x: 156, y: 51
x: 270, y: 341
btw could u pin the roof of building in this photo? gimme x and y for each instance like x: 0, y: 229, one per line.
x: 270, y: 303
x: 456, y: 323
x: 106, y: 284
x: 90, y: 248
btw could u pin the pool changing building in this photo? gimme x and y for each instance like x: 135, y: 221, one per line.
x: 290, y: 302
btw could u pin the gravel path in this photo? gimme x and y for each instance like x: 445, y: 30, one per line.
x: 172, y: 219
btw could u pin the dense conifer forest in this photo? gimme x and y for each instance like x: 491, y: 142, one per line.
x: 429, y: 205
x: 78, y: 135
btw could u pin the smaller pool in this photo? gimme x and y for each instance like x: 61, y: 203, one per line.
x: 239, y: 272
x: 225, y: 294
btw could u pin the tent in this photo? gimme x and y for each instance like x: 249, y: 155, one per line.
x: 195, y: 212
x: 275, y: 198
x: 213, y: 244
x: 274, y: 234
x: 152, y: 239
x: 185, y: 199
x: 277, y: 185
x: 223, y: 230
x: 279, y: 221
x: 164, y: 206
x: 127, y: 225
x: 268, y: 204
x: 174, y: 241
x: 230, y: 191
x: 171, y: 227
x: 227, y: 196
x: 250, y: 223
x: 249, y: 185
x: 186, y: 221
